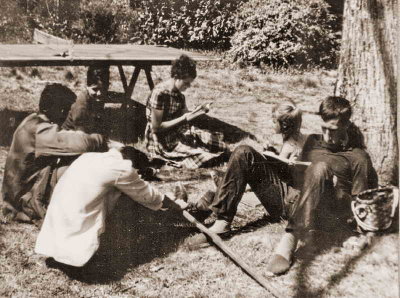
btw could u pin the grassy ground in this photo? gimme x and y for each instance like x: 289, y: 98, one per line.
x: 144, y: 253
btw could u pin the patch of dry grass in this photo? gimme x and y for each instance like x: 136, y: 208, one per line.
x: 142, y: 252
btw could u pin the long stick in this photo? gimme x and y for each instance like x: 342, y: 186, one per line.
x: 238, y: 260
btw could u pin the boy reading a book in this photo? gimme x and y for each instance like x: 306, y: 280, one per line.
x: 267, y: 169
x: 337, y: 152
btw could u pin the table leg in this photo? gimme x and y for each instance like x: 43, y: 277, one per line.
x: 147, y: 70
x: 128, y: 93
x: 123, y: 78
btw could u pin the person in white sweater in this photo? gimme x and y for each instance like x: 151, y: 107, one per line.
x: 84, y: 196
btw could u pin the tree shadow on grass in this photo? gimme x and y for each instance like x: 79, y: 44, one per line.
x: 325, y: 241
x: 137, y: 124
x: 134, y: 236
x: 232, y: 134
x: 115, y: 126
x: 251, y: 226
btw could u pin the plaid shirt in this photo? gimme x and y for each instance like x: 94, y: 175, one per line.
x: 173, y: 105
x: 184, y: 146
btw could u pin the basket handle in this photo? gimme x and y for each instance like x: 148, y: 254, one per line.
x: 395, y: 201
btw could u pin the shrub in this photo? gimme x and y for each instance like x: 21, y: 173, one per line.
x: 100, y: 21
x: 13, y: 22
x: 106, y: 21
x: 284, y: 32
x: 199, y: 24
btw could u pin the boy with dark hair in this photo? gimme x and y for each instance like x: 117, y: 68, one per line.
x: 86, y: 193
x: 38, y: 150
x: 98, y: 76
x: 335, y: 107
x: 335, y: 153
x: 87, y: 112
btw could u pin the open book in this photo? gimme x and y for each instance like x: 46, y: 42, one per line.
x: 200, y: 109
x: 285, y: 160
x: 205, y: 107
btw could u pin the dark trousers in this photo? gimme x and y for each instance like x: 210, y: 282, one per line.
x: 354, y: 173
x: 269, y: 180
x: 266, y: 178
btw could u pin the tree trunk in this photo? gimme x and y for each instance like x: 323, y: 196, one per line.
x: 367, y: 76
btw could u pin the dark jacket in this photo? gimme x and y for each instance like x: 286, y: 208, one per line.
x: 85, y: 114
x: 37, y: 149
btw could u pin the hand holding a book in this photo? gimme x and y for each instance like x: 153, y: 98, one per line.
x: 268, y: 146
x: 292, y: 162
x: 198, y: 111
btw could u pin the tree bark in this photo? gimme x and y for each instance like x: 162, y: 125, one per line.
x: 367, y: 76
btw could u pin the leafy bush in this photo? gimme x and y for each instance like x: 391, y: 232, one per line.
x: 285, y: 32
x: 100, y: 21
x: 13, y: 22
x: 274, y: 32
x: 200, y: 24
x: 107, y: 21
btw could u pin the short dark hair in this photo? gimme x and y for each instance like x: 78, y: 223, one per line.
x: 56, y: 95
x: 96, y: 73
x: 183, y: 67
x: 140, y: 161
x: 335, y: 107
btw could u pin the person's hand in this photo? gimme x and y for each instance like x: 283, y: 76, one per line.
x: 181, y: 203
x: 292, y: 160
x: 205, y: 107
x: 93, y: 91
x: 190, y: 116
x: 170, y: 202
x: 198, y: 111
x: 268, y: 146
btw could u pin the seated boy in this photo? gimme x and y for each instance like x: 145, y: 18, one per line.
x: 337, y: 152
x: 87, y: 112
x: 38, y: 152
x: 86, y: 193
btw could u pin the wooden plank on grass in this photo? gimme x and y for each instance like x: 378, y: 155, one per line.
x: 233, y: 256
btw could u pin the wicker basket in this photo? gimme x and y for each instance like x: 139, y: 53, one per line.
x: 374, y: 209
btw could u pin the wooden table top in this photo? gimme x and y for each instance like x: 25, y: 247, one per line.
x: 89, y: 54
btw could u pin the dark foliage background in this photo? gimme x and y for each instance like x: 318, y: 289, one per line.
x: 285, y: 32
x: 274, y: 32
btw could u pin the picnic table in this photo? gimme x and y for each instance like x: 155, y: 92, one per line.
x: 141, y: 57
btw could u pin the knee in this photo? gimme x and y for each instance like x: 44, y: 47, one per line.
x: 242, y: 151
x: 361, y: 158
x: 318, y: 169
